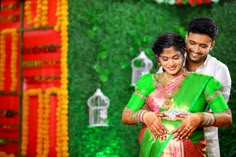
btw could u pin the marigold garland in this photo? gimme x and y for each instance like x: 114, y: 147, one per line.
x: 41, y: 127
x: 62, y: 125
x: 14, y: 52
x: 2, y: 60
x: 57, y: 27
x: 25, y: 118
x: 4, y: 154
x: 28, y: 13
x: 43, y: 140
x: 41, y: 18
x: 62, y: 110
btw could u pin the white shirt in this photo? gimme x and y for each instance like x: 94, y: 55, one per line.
x: 220, y: 72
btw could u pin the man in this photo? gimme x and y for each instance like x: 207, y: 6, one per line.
x: 200, y: 40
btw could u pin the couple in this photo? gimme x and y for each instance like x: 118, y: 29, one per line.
x: 180, y: 103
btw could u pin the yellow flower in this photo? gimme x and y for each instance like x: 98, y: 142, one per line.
x: 27, y: 94
x: 13, y: 54
x: 41, y: 18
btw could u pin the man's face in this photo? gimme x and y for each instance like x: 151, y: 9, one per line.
x: 198, y: 46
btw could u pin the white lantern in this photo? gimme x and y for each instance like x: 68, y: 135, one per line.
x: 144, y: 68
x: 98, y: 105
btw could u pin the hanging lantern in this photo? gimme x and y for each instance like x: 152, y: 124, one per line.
x: 140, y: 65
x: 98, y: 104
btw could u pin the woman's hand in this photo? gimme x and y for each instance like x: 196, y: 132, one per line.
x: 189, y: 123
x: 154, y: 123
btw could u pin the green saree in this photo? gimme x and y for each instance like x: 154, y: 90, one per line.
x: 197, y: 93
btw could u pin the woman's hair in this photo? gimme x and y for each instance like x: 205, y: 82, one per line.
x: 203, y: 25
x: 167, y: 40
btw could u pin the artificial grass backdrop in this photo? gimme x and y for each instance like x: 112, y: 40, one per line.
x: 104, y: 36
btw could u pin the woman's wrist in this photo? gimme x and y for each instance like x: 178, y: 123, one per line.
x: 137, y: 116
x: 208, y: 119
x: 142, y: 112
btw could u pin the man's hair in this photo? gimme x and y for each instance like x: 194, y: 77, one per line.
x: 203, y: 25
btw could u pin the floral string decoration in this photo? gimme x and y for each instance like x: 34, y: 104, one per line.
x: 62, y: 125
x: 57, y: 27
x: 25, y: 119
x: 44, y: 10
x: 41, y: 18
x: 14, y: 52
x: 2, y: 60
x: 41, y: 13
x: 44, y: 146
x: 4, y: 154
x: 62, y: 15
x: 41, y: 128
x: 28, y: 13
x: 62, y: 110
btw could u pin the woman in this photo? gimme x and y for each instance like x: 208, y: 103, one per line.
x: 177, y: 104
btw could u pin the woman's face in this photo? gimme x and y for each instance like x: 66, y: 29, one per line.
x: 171, y: 61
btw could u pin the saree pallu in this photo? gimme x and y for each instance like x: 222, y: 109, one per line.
x: 197, y: 93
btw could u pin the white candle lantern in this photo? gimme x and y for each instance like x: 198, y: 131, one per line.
x: 144, y: 68
x: 98, y: 104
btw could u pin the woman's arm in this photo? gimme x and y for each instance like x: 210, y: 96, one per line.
x: 202, y: 119
x: 151, y: 119
x: 129, y: 118
x: 223, y: 119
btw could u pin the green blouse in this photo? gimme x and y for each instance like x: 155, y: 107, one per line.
x: 197, y: 93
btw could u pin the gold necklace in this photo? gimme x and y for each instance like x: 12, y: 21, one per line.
x: 167, y: 98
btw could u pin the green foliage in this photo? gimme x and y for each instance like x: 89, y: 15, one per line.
x: 104, y: 36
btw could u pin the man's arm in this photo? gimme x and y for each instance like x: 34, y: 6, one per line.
x: 223, y: 76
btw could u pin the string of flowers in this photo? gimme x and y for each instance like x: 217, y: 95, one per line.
x: 62, y: 110
x: 191, y: 2
x: 41, y: 128
x: 14, y: 50
x: 62, y: 125
x: 4, y: 154
x: 57, y: 26
x: 43, y: 144
x: 44, y: 9
x: 2, y: 60
x: 28, y: 13
x: 25, y: 118
x: 41, y: 18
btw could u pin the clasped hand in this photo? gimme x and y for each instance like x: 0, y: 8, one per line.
x: 154, y: 123
x: 189, y: 123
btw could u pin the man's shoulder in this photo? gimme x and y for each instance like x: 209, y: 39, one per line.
x: 214, y: 62
x: 216, y: 65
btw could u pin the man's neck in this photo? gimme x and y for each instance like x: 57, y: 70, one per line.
x: 193, y: 66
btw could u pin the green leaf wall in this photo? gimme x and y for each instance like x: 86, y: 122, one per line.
x: 104, y: 36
